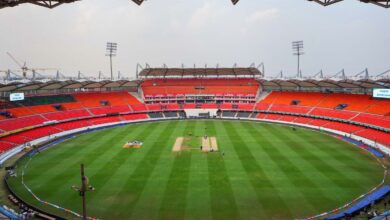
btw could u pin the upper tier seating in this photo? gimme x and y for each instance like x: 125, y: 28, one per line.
x: 46, y: 100
x: 21, y: 111
x: 199, y: 86
x: 290, y: 108
x: 354, y: 102
x: 71, y: 105
x: 358, y: 103
x: 37, y: 105
x: 39, y: 109
x: 91, y: 100
x: 286, y: 98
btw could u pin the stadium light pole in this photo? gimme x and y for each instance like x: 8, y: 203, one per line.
x: 85, y: 187
x: 297, y: 47
x: 111, y: 49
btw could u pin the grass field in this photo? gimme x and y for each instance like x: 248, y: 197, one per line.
x: 267, y: 172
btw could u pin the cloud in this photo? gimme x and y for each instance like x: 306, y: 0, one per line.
x: 208, y: 13
x: 262, y: 15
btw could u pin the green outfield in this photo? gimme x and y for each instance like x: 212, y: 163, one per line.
x: 262, y: 171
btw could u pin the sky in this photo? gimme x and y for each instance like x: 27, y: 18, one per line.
x: 72, y: 37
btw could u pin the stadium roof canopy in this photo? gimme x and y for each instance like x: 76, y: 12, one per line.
x: 200, y: 72
x: 327, y: 83
x: 68, y: 84
x: 54, y: 86
x: 55, y: 3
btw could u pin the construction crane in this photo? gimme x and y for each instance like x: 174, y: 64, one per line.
x: 24, y: 68
x: 10, y: 75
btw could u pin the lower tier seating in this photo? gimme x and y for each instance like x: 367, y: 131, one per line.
x: 110, y: 109
x: 64, y: 115
x: 381, y: 121
x: 4, y: 146
x: 17, y: 123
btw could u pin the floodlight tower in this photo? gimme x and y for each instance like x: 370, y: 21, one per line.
x: 85, y: 187
x: 111, y: 49
x: 297, y: 47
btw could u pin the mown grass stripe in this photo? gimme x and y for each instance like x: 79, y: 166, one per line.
x: 150, y: 200
x: 223, y: 203
x: 340, y: 157
x: 66, y: 153
x: 340, y: 194
x: 71, y: 173
x: 136, y: 182
x: 198, y: 196
x: 243, y: 191
x: 291, y: 171
x: 111, y: 166
x: 267, y: 195
x: 335, y: 175
x: 174, y: 200
x: 200, y: 199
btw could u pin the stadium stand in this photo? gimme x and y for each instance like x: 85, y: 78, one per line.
x: 103, y: 120
x: 170, y: 114
x: 4, y: 146
x: 139, y: 108
x: 95, y: 99
x: 229, y: 114
x: 21, y: 111
x: 383, y: 216
x: 225, y: 90
x: 135, y: 117
x: 110, y: 109
x: 72, y: 125
x: 377, y: 136
x: 243, y: 114
x: 156, y: 115
x: 373, y: 120
x: 45, y: 100
x: 23, y: 122
x: 199, y: 86
x: 333, y: 113
x: 235, y: 96
x: 64, y: 115
x: 376, y: 195
x: 354, y: 102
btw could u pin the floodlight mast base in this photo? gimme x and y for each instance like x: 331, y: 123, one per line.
x: 85, y: 187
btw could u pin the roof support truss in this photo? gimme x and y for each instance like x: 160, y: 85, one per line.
x: 382, y: 3
x: 55, y: 3
x: 326, y: 2
x: 43, y: 3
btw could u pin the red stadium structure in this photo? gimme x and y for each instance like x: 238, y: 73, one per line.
x: 55, y: 108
